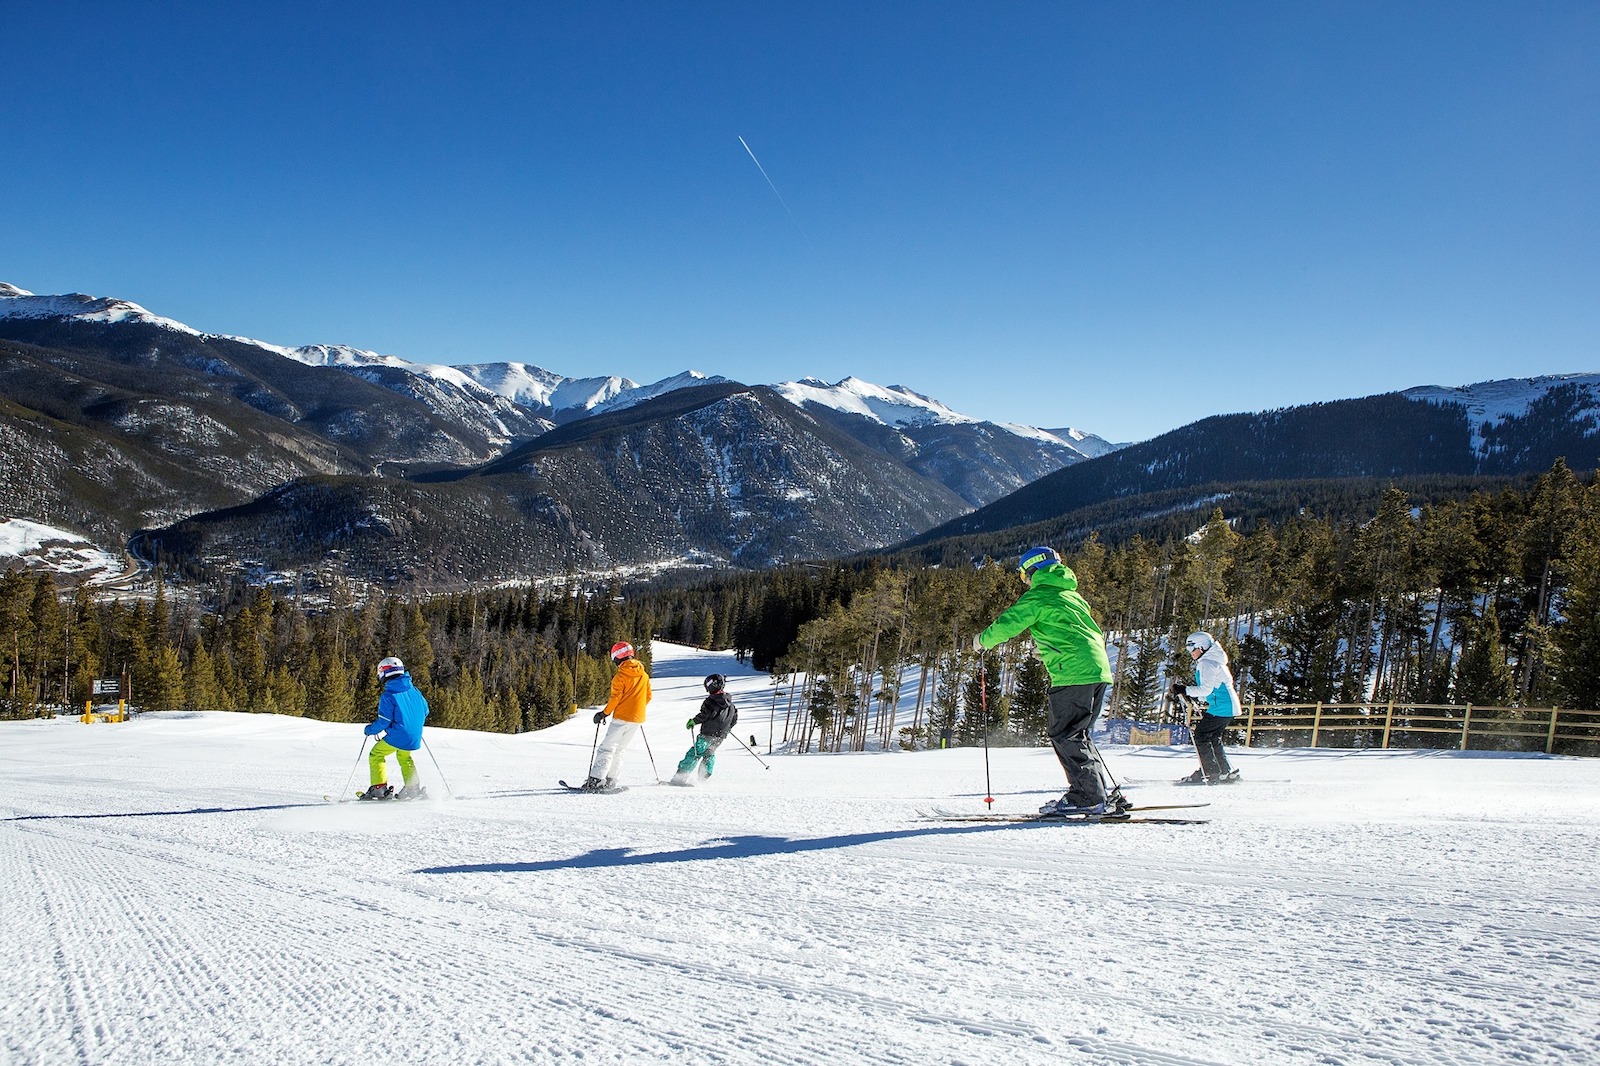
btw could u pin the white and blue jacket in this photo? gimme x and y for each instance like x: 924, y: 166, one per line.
x: 1214, y: 683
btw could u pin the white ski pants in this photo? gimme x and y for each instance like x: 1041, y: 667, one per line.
x: 608, y: 756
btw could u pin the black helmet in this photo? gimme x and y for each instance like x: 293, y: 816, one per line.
x: 716, y: 683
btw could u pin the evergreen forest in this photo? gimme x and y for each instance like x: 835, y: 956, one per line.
x: 1490, y: 598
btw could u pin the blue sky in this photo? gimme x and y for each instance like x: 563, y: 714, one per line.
x: 1117, y: 216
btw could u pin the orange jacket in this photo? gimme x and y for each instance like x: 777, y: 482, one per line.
x: 630, y: 691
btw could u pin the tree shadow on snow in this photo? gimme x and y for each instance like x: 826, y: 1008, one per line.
x: 158, y: 814
x: 739, y: 847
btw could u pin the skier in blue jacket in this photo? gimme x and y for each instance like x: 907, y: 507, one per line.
x: 1214, y: 690
x: 401, y: 712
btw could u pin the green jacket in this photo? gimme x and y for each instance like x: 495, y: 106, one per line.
x: 1070, y: 643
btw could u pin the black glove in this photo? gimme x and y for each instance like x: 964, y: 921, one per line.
x: 1179, y: 690
x: 599, y: 716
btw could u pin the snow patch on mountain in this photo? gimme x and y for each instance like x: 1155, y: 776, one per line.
x: 1489, y: 403
x: 640, y: 393
x: 899, y: 407
x: 34, y: 544
x: 20, y: 303
x: 892, y: 406
x: 1087, y: 444
x: 534, y: 386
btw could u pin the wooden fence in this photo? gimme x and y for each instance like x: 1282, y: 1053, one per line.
x: 1552, y: 730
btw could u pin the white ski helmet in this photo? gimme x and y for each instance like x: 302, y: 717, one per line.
x: 390, y: 667
x: 1198, y: 641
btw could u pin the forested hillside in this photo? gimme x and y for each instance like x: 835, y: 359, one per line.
x: 1490, y: 598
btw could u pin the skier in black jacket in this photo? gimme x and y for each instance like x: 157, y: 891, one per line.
x: 716, y: 720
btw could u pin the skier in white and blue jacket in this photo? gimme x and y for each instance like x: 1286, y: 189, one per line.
x: 401, y: 712
x: 1213, y: 687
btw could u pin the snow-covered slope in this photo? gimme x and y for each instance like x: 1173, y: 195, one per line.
x: 536, y: 387
x: 1091, y: 445
x: 176, y: 891
x: 892, y: 406
x: 20, y: 303
x: 898, y: 407
x: 33, y: 544
x: 1489, y: 403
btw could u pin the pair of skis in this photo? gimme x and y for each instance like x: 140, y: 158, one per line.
x: 1133, y: 816
x: 612, y: 791
x: 362, y: 798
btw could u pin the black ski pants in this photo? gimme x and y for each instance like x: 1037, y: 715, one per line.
x: 1073, y: 710
x: 1208, y: 745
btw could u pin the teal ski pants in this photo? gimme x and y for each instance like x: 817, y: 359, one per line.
x: 704, y: 748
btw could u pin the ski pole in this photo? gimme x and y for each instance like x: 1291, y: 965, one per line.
x: 983, y: 703
x: 596, y: 745
x: 442, y: 781
x: 352, y: 776
x: 751, y: 750
x: 650, y: 753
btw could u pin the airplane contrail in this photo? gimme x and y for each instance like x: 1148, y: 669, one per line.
x: 774, y: 188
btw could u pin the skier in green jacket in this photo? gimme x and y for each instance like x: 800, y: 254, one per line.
x: 1074, y: 652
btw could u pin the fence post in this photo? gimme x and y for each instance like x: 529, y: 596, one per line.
x: 1466, y: 726
x: 1250, y: 724
x: 1388, y: 722
x: 1550, y: 739
x: 1316, y: 724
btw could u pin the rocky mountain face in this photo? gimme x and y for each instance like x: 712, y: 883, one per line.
x: 727, y: 475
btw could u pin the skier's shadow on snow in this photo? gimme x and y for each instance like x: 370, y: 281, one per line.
x: 739, y: 847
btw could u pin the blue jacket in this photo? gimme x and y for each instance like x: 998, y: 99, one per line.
x: 401, y: 712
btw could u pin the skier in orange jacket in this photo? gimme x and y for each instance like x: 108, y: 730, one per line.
x: 630, y: 692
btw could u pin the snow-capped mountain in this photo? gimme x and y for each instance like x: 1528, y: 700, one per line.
x: 901, y: 408
x: 892, y: 406
x: 146, y: 421
x: 1089, y: 445
x: 550, y: 396
x: 981, y: 461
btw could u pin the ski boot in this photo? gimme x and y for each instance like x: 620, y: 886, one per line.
x: 380, y: 791
x: 1117, y: 803
x: 413, y: 790
x: 1229, y: 778
x: 1065, y: 806
x: 593, y: 784
x: 1196, y: 778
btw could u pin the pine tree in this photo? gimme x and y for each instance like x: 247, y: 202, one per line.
x: 200, y: 680
x: 1030, y: 703
x: 164, y: 690
x: 332, y: 696
x: 1482, y: 676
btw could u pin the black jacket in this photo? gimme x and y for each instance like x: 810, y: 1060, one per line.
x: 717, y: 715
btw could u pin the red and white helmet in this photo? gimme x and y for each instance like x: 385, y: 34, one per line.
x: 390, y: 667
x: 621, y: 650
